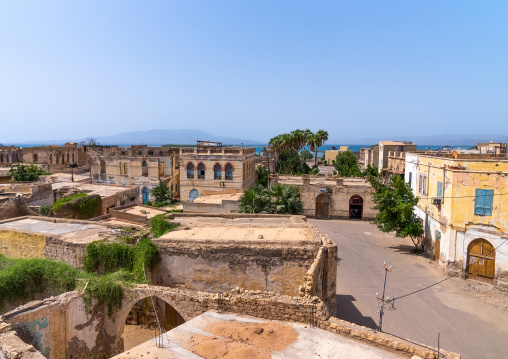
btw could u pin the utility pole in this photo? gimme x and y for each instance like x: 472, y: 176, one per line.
x: 381, y: 301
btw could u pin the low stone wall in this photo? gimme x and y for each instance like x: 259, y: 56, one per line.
x: 59, y: 327
x: 225, y: 207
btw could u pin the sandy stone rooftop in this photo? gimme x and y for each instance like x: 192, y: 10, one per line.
x: 71, y: 232
x: 101, y: 190
x: 148, y: 212
x: 230, y: 336
x: 218, y: 198
x: 316, y: 181
x: 244, y: 229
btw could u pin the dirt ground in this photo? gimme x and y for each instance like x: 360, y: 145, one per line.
x: 242, y: 340
x: 134, y: 335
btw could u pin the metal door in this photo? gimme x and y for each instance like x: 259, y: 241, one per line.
x: 437, y: 247
x: 481, y: 260
x: 323, y: 206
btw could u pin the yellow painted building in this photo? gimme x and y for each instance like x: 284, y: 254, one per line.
x: 464, y: 208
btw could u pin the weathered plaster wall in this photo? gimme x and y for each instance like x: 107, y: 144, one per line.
x: 216, y: 267
x: 22, y: 245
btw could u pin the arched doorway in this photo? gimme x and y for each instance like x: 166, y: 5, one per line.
x: 481, y: 260
x: 145, y: 192
x: 356, y: 207
x: 323, y: 205
x: 193, y: 194
x: 145, y: 317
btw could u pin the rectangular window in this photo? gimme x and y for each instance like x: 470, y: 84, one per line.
x: 439, y: 189
x: 410, y: 177
x: 483, y: 201
x: 422, y: 184
x: 438, y: 235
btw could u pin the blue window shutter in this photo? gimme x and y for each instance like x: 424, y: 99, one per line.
x: 478, y: 202
x: 439, y: 189
x: 488, y: 196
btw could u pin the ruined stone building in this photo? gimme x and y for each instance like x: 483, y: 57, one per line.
x: 9, y: 154
x: 464, y: 210
x: 142, y: 166
x: 268, y: 159
x: 333, y: 197
x: 211, y: 168
x: 50, y: 158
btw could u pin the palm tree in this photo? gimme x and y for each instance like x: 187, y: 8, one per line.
x: 255, y: 199
x: 286, y: 199
x: 312, y: 143
x: 321, y: 137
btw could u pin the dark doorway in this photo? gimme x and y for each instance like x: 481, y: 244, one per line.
x: 356, y: 207
x: 323, y: 206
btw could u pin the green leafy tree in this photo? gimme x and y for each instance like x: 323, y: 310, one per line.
x: 305, y: 155
x: 346, y: 164
x: 262, y: 176
x: 161, y: 193
x: 396, y: 203
x: 371, y: 171
x: 26, y: 173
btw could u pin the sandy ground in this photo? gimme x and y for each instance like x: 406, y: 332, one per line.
x: 242, y: 340
x: 133, y: 335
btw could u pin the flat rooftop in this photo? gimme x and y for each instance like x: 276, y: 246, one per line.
x: 91, y: 189
x: 324, y: 181
x: 66, y: 177
x: 286, y: 229
x: 218, y: 198
x: 145, y: 211
x: 71, y: 232
x: 231, y: 336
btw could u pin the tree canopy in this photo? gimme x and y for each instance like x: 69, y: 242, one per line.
x: 346, y: 164
x: 289, y: 145
x: 26, y: 173
x: 278, y: 199
x: 396, y: 203
x: 162, y: 194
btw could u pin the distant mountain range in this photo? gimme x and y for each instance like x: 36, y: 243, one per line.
x: 189, y: 137
x: 155, y: 137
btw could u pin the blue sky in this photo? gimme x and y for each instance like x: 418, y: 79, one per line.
x: 252, y: 69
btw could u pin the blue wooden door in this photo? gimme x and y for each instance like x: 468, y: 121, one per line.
x: 193, y: 194
x: 146, y: 194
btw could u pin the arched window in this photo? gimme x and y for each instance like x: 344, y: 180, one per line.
x: 63, y: 158
x: 73, y: 158
x: 139, y: 153
x: 201, y: 171
x: 1, y: 158
x: 190, y: 170
x: 150, y: 153
x: 217, y: 172
x: 229, y: 172
x: 144, y: 169
x: 121, y: 168
x: 125, y: 168
x: 103, y: 166
x: 35, y: 158
x: 161, y: 154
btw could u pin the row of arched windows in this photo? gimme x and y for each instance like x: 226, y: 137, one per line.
x: 59, y: 158
x: 7, y: 158
x: 123, y: 168
x: 217, y: 171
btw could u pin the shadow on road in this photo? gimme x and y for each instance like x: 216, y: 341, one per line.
x: 346, y: 310
x: 404, y: 249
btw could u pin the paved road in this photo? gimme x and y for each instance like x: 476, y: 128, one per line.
x: 467, y: 325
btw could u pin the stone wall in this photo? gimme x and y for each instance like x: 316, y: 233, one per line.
x: 60, y: 327
x: 129, y: 195
x: 226, y: 206
x: 216, y: 266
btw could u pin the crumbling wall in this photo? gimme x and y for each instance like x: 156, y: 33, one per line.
x: 22, y: 245
x: 215, y: 266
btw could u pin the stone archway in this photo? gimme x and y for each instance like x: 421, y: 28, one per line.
x: 168, y: 317
x: 356, y: 207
